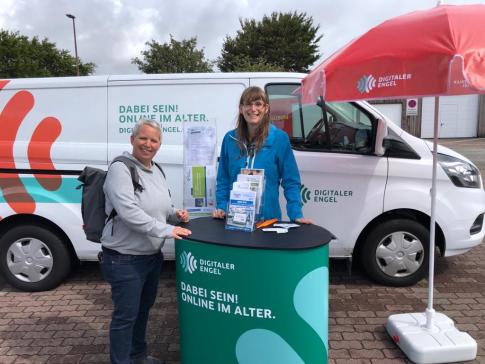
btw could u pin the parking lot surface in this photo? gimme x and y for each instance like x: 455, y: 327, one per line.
x: 70, y: 324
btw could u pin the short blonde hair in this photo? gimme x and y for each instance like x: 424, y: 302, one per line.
x: 141, y: 122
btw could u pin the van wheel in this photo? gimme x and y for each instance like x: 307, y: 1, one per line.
x: 33, y: 258
x: 395, y: 253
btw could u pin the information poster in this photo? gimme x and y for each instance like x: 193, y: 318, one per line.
x: 200, y: 157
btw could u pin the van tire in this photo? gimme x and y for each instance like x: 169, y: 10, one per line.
x: 33, y: 258
x: 395, y: 252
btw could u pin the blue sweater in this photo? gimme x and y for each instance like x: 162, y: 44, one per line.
x: 279, y: 164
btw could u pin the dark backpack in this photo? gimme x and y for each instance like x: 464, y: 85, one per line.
x: 93, y: 199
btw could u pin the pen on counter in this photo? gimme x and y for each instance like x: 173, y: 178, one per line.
x: 265, y: 223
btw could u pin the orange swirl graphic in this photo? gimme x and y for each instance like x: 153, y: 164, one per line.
x: 2, y: 85
x: 39, y: 152
x: 11, y: 117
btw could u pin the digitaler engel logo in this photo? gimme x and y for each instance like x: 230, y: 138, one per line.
x: 366, y: 84
x: 188, y: 262
x: 305, y: 194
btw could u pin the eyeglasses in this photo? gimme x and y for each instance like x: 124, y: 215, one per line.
x: 256, y: 104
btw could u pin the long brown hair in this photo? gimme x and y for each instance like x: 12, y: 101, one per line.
x: 249, y: 95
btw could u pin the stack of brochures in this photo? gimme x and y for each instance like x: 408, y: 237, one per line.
x: 245, y: 200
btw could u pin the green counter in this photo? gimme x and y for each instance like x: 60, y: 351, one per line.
x: 252, y: 298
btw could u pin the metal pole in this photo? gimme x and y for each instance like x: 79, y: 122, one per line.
x: 75, y: 40
x: 432, y: 235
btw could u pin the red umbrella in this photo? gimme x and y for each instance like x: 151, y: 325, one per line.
x: 435, y: 52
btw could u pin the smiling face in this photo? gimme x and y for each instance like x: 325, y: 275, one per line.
x: 253, y: 112
x: 146, y: 144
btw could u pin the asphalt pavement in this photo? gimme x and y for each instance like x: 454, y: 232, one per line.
x: 70, y: 323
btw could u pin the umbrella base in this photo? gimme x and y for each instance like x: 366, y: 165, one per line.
x: 442, y: 343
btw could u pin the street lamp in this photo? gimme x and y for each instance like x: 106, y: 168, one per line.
x: 75, y: 42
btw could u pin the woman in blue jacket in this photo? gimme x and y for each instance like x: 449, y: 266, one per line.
x: 257, y: 144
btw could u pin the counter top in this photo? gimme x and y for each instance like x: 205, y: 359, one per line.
x: 212, y: 231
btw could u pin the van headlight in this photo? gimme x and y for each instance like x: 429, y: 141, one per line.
x: 461, y: 173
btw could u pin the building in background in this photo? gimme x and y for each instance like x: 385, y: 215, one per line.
x: 460, y: 116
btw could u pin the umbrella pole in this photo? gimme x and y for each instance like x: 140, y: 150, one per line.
x: 429, y: 310
x: 431, y: 337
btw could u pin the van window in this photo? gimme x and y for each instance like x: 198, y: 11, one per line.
x: 346, y: 127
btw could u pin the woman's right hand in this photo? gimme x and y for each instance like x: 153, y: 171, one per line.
x: 218, y: 214
x: 179, y: 232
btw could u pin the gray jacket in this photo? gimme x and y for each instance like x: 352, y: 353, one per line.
x: 141, y: 224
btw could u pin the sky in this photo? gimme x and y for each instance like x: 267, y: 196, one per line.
x: 112, y: 32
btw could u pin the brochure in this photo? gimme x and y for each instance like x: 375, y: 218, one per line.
x: 242, y: 185
x: 241, y: 210
x: 255, y: 178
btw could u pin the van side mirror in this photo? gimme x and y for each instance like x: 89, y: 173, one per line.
x: 381, y: 133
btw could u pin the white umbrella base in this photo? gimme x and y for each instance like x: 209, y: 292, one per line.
x: 442, y: 343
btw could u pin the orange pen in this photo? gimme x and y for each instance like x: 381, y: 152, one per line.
x: 265, y: 223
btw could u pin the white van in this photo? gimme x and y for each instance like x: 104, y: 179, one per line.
x: 370, y: 190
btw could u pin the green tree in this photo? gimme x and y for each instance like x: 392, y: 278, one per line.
x: 173, y: 57
x: 282, y: 41
x: 242, y: 63
x: 23, y: 57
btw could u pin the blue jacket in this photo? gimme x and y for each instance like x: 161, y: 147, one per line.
x: 279, y: 164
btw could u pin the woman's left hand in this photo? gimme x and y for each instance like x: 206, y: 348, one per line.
x: 182, y: 215
x: 302, y: 220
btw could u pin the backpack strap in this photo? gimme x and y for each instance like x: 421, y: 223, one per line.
x: 161, y: 170
x: 135, y: 178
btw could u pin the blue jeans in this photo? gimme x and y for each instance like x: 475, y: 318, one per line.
x: 134, y: 282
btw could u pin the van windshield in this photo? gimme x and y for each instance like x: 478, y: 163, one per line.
x: 345, y: 127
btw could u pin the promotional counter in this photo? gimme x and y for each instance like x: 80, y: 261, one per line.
x: 252, y: 298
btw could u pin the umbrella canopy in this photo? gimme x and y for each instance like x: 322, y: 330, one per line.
x: 434, y: 52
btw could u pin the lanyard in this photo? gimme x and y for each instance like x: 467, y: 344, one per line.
x: 249, y: 151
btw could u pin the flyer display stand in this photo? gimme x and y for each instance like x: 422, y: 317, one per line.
x: 252, y: 298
